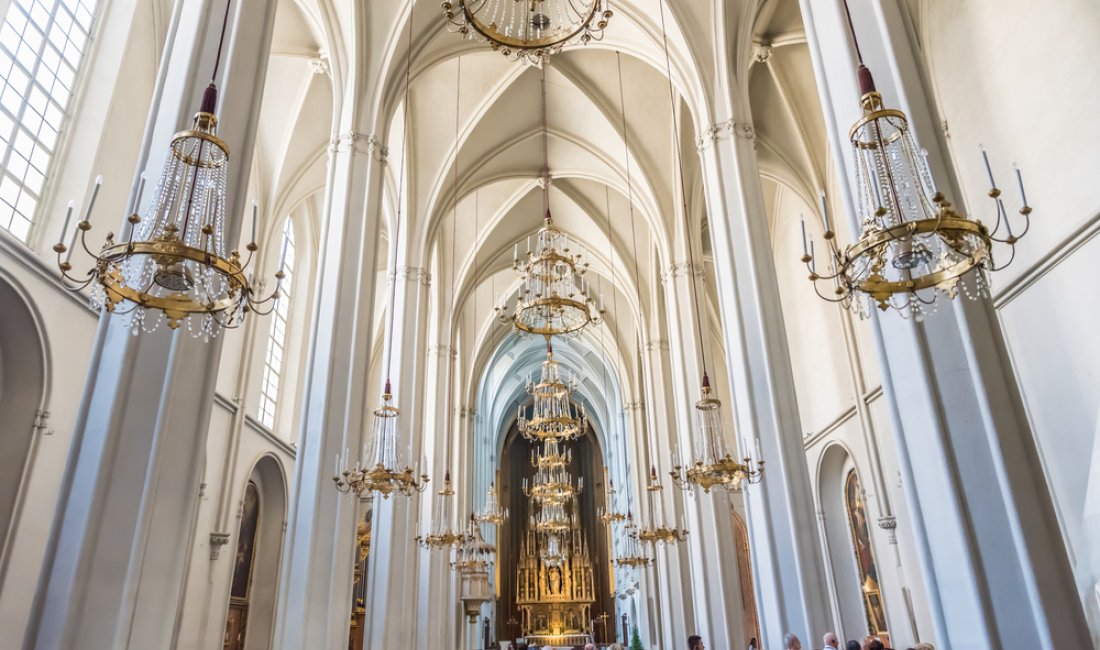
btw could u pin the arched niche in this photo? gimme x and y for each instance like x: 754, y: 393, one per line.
x: 833, y: 470
x: 250, y: 623
x: 23, y: 384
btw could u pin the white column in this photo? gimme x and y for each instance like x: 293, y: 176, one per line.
x: 990, y: 548
x: 790, y: 583
x: 395, y: 566
x: 315, y: 591
x: 117, y: 557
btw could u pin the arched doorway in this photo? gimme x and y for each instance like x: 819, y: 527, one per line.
x: 250, y: 621
x: 22, y: 391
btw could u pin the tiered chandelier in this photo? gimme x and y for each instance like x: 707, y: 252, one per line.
x: 714, y: 465
x: 633, y: 556
x: 552, y: 298
x: 552, y: 482
x: 171, y: 266
x: 492, y: 513
x: 379, y: 472
x: 658, y: 532
x: 442, y: 534
x: 913, y: 245
x: 554, y: 517
x: 553, y: 416
x: 529, y: 29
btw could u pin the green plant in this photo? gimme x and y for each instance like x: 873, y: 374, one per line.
x: 636, y: 641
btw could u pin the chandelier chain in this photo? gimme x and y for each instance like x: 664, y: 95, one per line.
x: 221, y: 42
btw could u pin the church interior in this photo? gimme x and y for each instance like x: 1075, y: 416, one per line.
x: 648, y: 324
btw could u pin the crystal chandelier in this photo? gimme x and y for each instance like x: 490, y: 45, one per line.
x: 553, y: 416
x: 378, y: 471
x: 474, y: 554
x: 552, y: 298
x: 658, y: 532
x: 552, y: 482
x: 530, y: 29
x: 492, y: 513
x: 442, y: 534
x: 171, y: 265
x: 913, y: 245
x: 553, y: 517
x: 712, y: 464
x: 632, y: 557
x: 606, y: 513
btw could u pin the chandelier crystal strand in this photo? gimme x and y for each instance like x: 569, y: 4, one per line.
x: 442, y: 534
x: 378, y: 472
x: 538, y: 29
x: 552, y: 482
x: 552, y: 298
x: 492, y: 513
x: 473, y: 554
x: 913, y: 246
x: 171, y: 266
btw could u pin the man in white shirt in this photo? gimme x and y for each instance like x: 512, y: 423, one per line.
x: 830, y: 641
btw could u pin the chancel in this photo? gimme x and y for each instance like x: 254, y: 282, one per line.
x: 502, y: 324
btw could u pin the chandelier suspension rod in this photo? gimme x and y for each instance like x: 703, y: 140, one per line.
x: 400, y: 193
x: 454, y: 259
x: 852, y: 32
x: 221, y: 42
x: 683, y: 197
x: 545, y: 147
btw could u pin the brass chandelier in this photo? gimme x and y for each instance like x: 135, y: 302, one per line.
x: 474, y: 554
x: 658, y: 532
x: 379, y: 471
x: 554, y: 517
x: 606, y: 513
x: 171, y: 265
x: 913, y: 245
x: 492, y: 513
x: 553, y: 416
x: 552, y: 482
x: 633, y: 556
x: 442, y: 534
x: 529, y: 29
x: 713, y: 464
x: 552, y: 298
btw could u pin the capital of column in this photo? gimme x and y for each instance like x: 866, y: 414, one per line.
x: 464, y: 412
x: 889, y: 523
x: 654, y: 345
x: 442, y: 350
x: 722, y: 130
x: 412, y: 274
x: 356, y: 142
x: 633, y: 406
x: 320, y: 64
x: 682, y: 270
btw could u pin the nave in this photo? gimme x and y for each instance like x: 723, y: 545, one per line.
x: 546, y: 323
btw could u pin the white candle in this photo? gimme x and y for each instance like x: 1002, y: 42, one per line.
x: 255, y: 209
x: 757, y: 445
x: 137, y: 199
x: 68, y: 218
x: 988, y: 169
x: 1020, y: 184
x: 336, y: 463
x: 515, y: 253
x: 95, y: 193
x: 282, y: 256
x: 805, y: 248
x: 825, y: 212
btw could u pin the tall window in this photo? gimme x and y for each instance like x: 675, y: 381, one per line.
x: 276, y: 341
x: 41, y: 44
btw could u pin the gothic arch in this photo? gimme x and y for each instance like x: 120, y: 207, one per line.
x: 24, y: 388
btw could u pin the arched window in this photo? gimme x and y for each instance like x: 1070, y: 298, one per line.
x: 276, y: 341
x: 41, y: 45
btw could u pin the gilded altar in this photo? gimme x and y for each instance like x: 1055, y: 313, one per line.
x: 554, y: 587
